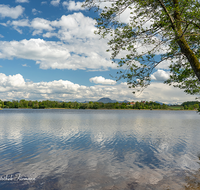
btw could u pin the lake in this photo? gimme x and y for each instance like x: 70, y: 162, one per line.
x: 99, y: 149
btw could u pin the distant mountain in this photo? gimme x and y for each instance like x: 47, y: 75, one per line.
x: 166, y: 104
x: 106, y: 100
x: 125, y: 101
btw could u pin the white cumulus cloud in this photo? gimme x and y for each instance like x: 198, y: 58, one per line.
x: 55, y: 55
x: 12, y: 12
x: 40, y: 24
x: 15, y: 87
x: 76, y: 33
x: 102, y: 80
x: 78, y: 48
x: 73, y: 6
x: 11, y: 80
x: 20, y: 23
x: 75, y: 26
x: 70, y: 27
x: 55, y: 2
x: 164, y: 93
x: 160, y: 75
x: 35, y: 11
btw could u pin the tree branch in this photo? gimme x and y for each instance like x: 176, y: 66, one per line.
x: 169, y: 15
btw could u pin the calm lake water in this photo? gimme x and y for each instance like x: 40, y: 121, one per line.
x: 99, y: 149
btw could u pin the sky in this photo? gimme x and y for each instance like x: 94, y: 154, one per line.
x: 48, y: 51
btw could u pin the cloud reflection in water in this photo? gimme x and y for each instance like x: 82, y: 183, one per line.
x: 99, y: 149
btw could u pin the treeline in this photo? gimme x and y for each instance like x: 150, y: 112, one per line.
x: 191, y: 105
x: 77, y: 105
x: 95, y: 105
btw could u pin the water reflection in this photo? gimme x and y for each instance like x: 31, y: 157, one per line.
x: 100, y: 149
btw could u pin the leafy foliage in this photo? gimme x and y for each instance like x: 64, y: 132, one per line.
x: 157, y: 31
x: 191, y: 105
x: 183, y: 77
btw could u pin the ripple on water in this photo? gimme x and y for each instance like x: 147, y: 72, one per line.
x: 111, y: 149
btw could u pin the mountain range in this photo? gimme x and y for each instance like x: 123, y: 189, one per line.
x: 108, y: 100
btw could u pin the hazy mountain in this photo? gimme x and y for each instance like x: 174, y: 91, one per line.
x: 106, y: 100
x: 125, y: 101
x: 166, y: 104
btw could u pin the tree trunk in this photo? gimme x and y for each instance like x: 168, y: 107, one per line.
x: 185, y: 48
x: 194, y: 62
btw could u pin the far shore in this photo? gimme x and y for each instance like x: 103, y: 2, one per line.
x: 99, y: 109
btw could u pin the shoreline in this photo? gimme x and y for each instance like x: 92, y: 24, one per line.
x: 97, y: 109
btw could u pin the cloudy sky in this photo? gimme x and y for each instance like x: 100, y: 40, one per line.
x: 48, y: 50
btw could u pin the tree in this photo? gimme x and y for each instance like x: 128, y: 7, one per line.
x: 1, y: 104
x: 23, y: 104
x: 35, y: 104
x: 14, y: 104
x: 42, y: 105
x: 96, y: 105
x: 157, y: 31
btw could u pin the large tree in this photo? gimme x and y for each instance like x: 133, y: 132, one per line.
x: 158, y: 31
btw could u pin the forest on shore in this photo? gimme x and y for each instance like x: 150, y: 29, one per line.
x: 47, y: 104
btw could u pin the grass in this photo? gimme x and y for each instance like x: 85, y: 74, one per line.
x: 176, y: 107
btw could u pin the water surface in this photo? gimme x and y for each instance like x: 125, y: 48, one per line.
x: 99, y: 149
